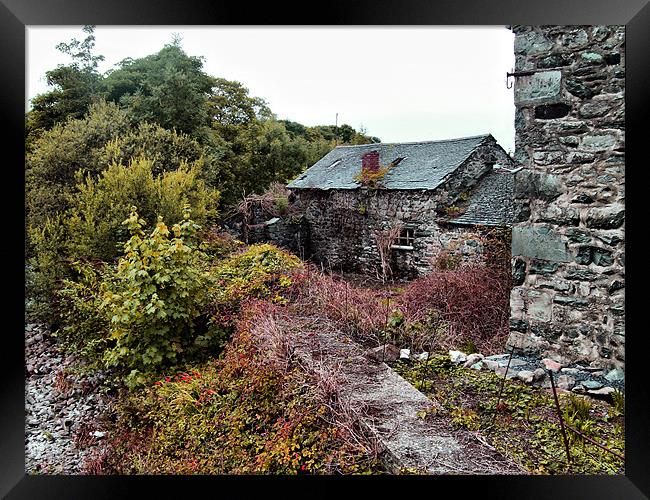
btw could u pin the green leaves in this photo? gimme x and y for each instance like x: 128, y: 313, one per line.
x: 139, y: 314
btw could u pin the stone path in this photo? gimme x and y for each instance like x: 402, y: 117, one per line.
x: 394, y: 409
x: 61, y: 408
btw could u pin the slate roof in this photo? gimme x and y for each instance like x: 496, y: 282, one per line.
x: 491, y: 202
x: 426, y: 165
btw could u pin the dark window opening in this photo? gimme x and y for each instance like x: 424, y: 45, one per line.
x: 406, y: 237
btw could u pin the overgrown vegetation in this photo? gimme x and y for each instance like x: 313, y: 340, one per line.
x: 246, y: 413
x: 524, y: 425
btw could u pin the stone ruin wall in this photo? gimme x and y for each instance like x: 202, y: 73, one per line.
x: 343, y: 224
x: 568, y: 246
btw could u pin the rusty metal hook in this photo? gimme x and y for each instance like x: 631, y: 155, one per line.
x: 509, y: 83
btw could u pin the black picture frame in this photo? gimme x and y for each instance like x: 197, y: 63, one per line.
x: 15, y: 15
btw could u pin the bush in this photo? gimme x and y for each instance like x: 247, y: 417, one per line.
x: 45, y: 268
x: 90, y: 145
x: 85, y: 328
x: 261, y: 271
x: 167, y: 149
x: 155, y: 299
x: 56, y: 156
x: 474, y: 300
x: 144, y: 314
x: 92, y: 228
x: 99, y: 207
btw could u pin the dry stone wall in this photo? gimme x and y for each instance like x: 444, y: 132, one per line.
x: 568, y: 246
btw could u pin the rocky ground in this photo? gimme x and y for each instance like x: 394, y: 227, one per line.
x: 62, y: 408
x: 592, y: 381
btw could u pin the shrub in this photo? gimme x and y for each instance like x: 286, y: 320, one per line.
x: 167, y: 149
x: 155, y: 299
x: 99, y: 207
x: 56, y: 156
x: 46, y: 267
x: 473, y: 300
x: 261, y: 271
x: 357, y: 310
x: 446, y: 261
x: 217, y: 243
x: 84, y: 329
x: 92, y: 228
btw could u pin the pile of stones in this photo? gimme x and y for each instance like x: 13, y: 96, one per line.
x: 591, y: 381
x: 580, y: 379
x: 62, y: 408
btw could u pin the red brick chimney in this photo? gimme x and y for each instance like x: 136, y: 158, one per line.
x: 370, y: 162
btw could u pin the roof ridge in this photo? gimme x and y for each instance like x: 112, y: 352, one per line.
x: 414, y: 142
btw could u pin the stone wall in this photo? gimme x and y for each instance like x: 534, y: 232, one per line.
x: 568, y: 246
x: 344, y: 223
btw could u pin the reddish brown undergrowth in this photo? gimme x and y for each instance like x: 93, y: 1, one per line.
x: 466, y: 305
x: 474, y: 300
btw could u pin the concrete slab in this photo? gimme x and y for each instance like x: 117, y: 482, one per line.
x: 393, y: 411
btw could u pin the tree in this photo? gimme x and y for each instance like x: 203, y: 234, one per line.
x: 56, y: 156
x: 169, y: 88
x: 88, y: 146
x: 75, y: 86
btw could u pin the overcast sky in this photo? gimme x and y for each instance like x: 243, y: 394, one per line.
x: 400, y: 84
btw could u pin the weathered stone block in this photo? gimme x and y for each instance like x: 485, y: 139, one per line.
x: 578, y: 157
x: 610, y: 217
x: 578, y: 235
x: 542, y: 267
x: 544, y: 86
x: 597, y: 142
x: 518, y: 271
x: 580, y: 274
x: 532, y: 43
x: 561, y: 216
x: 547, y: 157
x: 539, y: 242
x: 595, y: 109
x: 579, y: 89
x: 530, y: 184
x: 571, y: 301
x: 554, y: 61
x: 592, y: 57
x: 555, y: 284
x: 539, y: 304
x: 520, y: 325
x: 582, y: 198
x: 570, y: 141
x: 574, y: 39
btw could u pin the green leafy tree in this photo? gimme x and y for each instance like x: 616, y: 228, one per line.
x: 58, y: 154
x: 91, y: 228
x: 88, y: 146
x: 74, y: 86
x: 169, y: 88
x: 100, y: 205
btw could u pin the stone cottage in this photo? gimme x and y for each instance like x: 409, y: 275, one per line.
x: 422, y: 200
x: 568, y: 244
